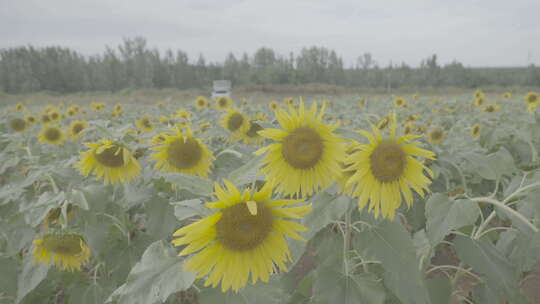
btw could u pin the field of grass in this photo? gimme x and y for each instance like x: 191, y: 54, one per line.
x: 164, y: 197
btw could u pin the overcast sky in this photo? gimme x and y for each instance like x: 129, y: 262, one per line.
x: 474, y: 32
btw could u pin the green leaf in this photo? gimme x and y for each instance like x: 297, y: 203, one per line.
x: 247, y: 173
x: 158, y: 274
x: 188, y: 208
x: 193, y: 184
x: 8, y: 276
x: 35, y: 211
x: 260, y: 293
x: 160, y: 218
x: 440, y: 290
x: 444, y: 215
x: 480, y: 164
x: 390, y: 243
x: 32, y: 274
x: 500, y: 275
x: 327, y: 208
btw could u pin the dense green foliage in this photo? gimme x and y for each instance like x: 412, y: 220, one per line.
x: 134, y: 65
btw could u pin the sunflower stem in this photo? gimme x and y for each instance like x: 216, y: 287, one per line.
x: 53, y: 183
x: 504, y: 207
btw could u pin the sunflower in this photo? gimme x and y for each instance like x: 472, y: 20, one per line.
x: 118, y: 107
x: 144, y: 124
x: 70, y: 113
x: 183, y: 153
x: 491, y: 108
x: 52, y: 135
x: 479, y: 101
x: 76, y: 127
x: 261, y: 116
x: 235, y: 122
x: 251, y: 137
x: 399, y: 102
x: 55, y: 116
x: 409, y: 128
x: 475, y: 130
x: 385, y: 170
x: 66, y: 250
x: 201, y: 102
x: 45, y: 118
x: 183, y: 114
x: 19, y: 107
x: 30, y: 119
x: 479, y: 94
x: 288, y: 101
x: 273, y: 105
x: 344, y: 188
x: 383, y: 123
x: 164, y: 120
x: 531, y: 108
x: 223, y: 103
x: 532, y: 98
x: 18, y: 124
x: 161, y: 104
x: 435, y: 136
x: 158, y: 138
x: 109, y: 161
x: 307, y: 154
x: 203, y: 126
x: 246, y: 236
x: 507, y: 95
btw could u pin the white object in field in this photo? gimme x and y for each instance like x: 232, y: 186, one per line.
x: 221, y: 88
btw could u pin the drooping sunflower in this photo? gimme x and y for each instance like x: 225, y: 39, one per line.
x: 273, y: 105
x: 182, y: 153
x: 65, y: 250
x: 70, y: 112
x: 30, y: 119
x: 307, y: 154
x: 109, y: 161
x: 18, y: 124
x: 118, y: 107
x: 251, y: 137
x: 531, y: 108
x: 235, y: 122
x: 52, y: 135
x: 475, y: 130
x: 385, y: 171
x: 76, y: 127
x: 436, y: 136
x: 201, y: 102
x: 223, y: 103
x: 246, y: 237
x: 490, y: 108
x: 532, y: 98
x: 399, y: 102
x: 507, y: 95
x: 144, y: 124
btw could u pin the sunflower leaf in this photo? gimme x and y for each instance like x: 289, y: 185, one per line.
x: 444, y: 215
x: 32, y: 274
x: 193, y: 184
x: 154, y: 278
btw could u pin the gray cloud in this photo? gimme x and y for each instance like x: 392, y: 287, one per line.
x: 477, y: 33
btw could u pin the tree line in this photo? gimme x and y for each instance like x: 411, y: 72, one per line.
x: 134, y: 65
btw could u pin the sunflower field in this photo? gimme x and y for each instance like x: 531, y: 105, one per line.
x: 378, y: 199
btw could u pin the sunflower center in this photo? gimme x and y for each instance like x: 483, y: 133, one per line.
x: 54, y: 115
x: 201, y: 102
x: 240, y: 230
x: 235, y: 122
x: 52, y: 134
x: 18, y: 124
x: 222, y: 102
x: 45, y: 118
x: 184, y: 154
x: 77, y: 128
x: 111, y: 157
x: 253, y: 129
x: 146, y: 124
x: 532, y: 98
x: 436, y: 135
x: 387, y: 162
x: 63, y: 244
x: 303, y: 148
